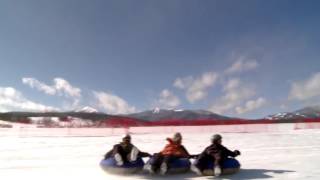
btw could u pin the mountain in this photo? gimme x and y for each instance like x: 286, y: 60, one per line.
x: 87, y: 109
x: 170, y: 114
x: 305, y: 113
x: 18, y: 116
x: 90, y: 117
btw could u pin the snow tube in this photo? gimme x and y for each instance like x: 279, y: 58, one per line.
x: 229, y: 166
x: 109, y: 165
x: 180, y: 165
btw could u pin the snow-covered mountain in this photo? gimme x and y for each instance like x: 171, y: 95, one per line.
x: 90, y: 117
x: 165, y: 114
x: 305, y: 113
x: 87, y: 109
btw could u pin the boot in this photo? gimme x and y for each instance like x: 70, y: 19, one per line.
x: 217, y: 170
x: 119, y: 160
x: 134, y: 154
x: 163, y: 168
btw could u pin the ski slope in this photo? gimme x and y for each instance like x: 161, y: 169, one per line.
x: 289, y: 154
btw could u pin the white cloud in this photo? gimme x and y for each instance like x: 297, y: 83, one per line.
x: 60, y: 86
x: 182, y: 83
x: 251, y: 105
x: 13, y: 100
x: 232, y: 84
x: 235, y: 93
x: 196, y: 88
x: 65, y: 87
x: 242, y: 65
x: 168, y: 99
x: 34, y: 83
x: 283, y: 106
x: 113, y: 104
x: 306, y: 89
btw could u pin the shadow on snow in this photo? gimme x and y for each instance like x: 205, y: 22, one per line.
x: 242, y: 174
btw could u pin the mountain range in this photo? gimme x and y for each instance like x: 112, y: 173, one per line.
x: 165, y: 114
x: 305, y: 113
x: 89, y: 116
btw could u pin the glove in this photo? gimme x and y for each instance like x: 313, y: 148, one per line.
x: 237, y: 152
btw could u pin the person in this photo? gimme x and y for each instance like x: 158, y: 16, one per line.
x: 215, y: 153
x: 125, y: 152
x: 172, y: 151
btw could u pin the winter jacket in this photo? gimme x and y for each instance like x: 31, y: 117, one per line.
x: 124, y: 150
x: 214, y: 149
x: 174, y: 149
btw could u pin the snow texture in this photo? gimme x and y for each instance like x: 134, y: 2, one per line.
x: 36, y: 154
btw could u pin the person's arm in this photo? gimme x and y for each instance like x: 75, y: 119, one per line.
x: 163, y: 151
x: 230, y: 153
x: 144, y: 154
x: 188, y: 154
x: 140, y: 153
x: 108, y: 154
x: 185, y: 151
x: 203, y: 153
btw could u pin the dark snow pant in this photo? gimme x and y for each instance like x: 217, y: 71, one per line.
x: 158, y: 159
x: 204, y: 159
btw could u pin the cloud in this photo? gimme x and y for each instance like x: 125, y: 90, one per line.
x: 306, y: 89
x: 13, y: 100
x: 113, y: 104
x: 34, y: 83
x: 60, y: 87
x: 283, y: 106
x: 196, y: 88
x: 251, y: 105
x: 64, y: 87
x: 242, y: 65
x: 232, y: 84
x: 235, y: 92
x: 168, y: 99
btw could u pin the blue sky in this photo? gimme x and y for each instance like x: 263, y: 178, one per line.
x: 239, y: 58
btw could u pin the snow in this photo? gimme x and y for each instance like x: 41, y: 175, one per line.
x: 156, y: 110
x: 36, y: 154
x: 87, y: 109
x: 18, y: 125
x: 179, y: 110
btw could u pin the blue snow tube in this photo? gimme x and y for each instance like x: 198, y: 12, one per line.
x: 109, y: 165
x: 180, y: 165
x: 229, y: 166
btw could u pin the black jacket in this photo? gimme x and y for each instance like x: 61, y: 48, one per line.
x: 124, y: 150
x: 214, y: 149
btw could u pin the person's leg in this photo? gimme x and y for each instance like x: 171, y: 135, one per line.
x: 117, y: 155
x: 201, y: 164
x: 217, y: 164
x: 203, y: 161
x: 134, y: 154
x: 165, y: 165
x: 156, y: 162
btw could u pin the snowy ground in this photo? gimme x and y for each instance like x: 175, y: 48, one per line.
x: 293, y: 154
